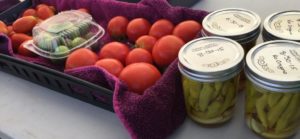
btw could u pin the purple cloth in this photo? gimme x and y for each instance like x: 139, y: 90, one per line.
x: 157, y: 113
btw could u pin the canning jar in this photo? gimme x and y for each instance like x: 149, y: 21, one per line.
x: 273, y: 89
x: 282, y: 26
x: 238, y: 24
x: 210, y: 68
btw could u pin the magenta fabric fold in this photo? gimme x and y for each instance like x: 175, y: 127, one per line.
x: 161, y: 110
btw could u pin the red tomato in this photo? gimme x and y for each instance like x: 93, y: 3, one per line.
x: 114, y: 50
x: 166, y: 50
x: 30, y: 12
x: 116, y: 27
x: 17, y: 39
x: 2, y: 23
x: 10, y: 30
x: 53, y: 9
x: 187, y: 30
x: 146, y: 42
x: 113, y: 66
x: 84, y: 10
x: 81, y: 57
x: 25, y: 52
x: 138, y: 55
x: 139, y: 76
x: 137, y: 28
x: 24, y: 24
x: 161, y: 28
x: 3, y: 27
x: 41, y: 5
x: 44, y: 12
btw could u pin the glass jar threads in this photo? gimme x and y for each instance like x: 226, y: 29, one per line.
x: 282, y: 26
x: 210, y: 68
x: 273, y: 89
x: 240, y: 25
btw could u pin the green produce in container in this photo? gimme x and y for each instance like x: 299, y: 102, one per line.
x: 205, y: 96
x: 73, y: 29
x: 209, y: 84
x: 77, y: 41
x: 273, y: 89
x: 61, y: 49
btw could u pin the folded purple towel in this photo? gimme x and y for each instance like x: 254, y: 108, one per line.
x: 158, y: 112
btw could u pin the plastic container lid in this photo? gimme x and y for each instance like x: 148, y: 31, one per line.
x: 61, y: 34
x: 211, y: 59
x: 282, y: 25
x: 275, y: 65
x: 234, y: 23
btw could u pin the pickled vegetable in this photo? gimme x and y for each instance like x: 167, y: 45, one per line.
x: 272, y: 114
x: 210, y: 102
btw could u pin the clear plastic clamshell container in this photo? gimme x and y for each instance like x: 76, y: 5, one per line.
x: 61, y: 34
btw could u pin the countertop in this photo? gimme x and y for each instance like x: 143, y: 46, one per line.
x: 29, y: 111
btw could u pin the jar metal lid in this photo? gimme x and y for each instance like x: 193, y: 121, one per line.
x: 283, y: 25
x: 242, y: 41
x: 231, y: 22
x: 275, y: 65
x: 211, y: 59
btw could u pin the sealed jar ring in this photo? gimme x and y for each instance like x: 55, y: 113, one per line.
x: 273, y: 89
x: 282, y: 26
x: 238, y: 24
x: 210, y: 68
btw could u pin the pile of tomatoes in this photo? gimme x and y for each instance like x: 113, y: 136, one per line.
x: 156, y: 46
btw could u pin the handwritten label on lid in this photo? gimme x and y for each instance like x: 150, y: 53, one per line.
x: 284, y: 25
x: 211, y: 54
x: 231, y: 22
x: 276, y: 61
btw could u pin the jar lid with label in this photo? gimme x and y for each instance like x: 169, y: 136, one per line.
x: 275, y: 65
x: 211, y: 59
x: 282, y: 26
x: 238, y: 24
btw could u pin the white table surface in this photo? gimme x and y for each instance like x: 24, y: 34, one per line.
x: 29, y: 111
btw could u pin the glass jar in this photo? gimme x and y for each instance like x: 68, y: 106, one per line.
x: 210, y: 68
x: 238, y: 24
x: 282, y: 26
x: 273, y: 89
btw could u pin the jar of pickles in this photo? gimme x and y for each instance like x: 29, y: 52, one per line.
x: 273, y: 89
x: 282, y: 26
x: 238, y: 24
x: 210, y: 68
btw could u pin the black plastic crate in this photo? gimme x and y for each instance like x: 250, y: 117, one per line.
x: 11, y: 14
x: 53, y: 79
x: 57, y: 81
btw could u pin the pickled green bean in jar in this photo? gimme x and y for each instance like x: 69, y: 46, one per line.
x: 273, y: 89
x: 241, y: 25
x: 210, y: 68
